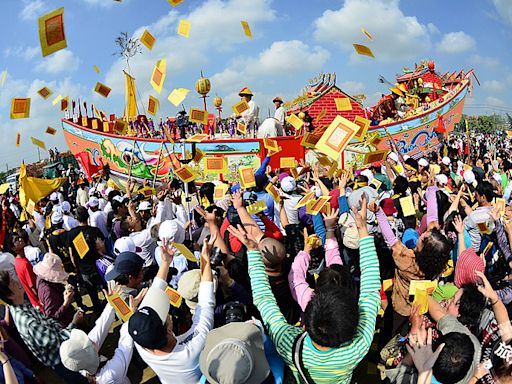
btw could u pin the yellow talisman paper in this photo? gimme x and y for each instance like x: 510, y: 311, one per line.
x: 241, y: 127
x: 175, y: 2
x: 186, y: 174
x: 309, y: 140
x: 421, y: 300
x: 272, y: 191
x: 500, y: 205
x: 337, y: 136
x: 220, y: 191
x: 376, y: 156
x: 483, y: 228
x: 407, y: 205
x: 387, y: 284
x: 247, y: 29
x: 3, y: 77
x: 287, y: 162
x: 57, y: 99
x: 18, y: 140
x: 343, y: 104
x: 198, y: 116
x: 51, y: 32
x: 122, y: 309
x: 376, y: 183
x: 199, y: 155
x: 428, y: 286
x: 184, y: 28
x: 215, y: 165
x: 81, y: 245
x: 363, y: 124
x: 185, y: 252
x: 295, y: 121
x: 246, y: 175
x: 147, y: 39
x: 45, y: 92
x: 177, y: 96
x: 20, y: 108
x: 175, y: 298
x: 326, y: 209
x: 102, y: 89
x: 51, y: 131
x: 240, y: 107
x: 153, y: 105
x: 314, y: 207
x: 64, y: 103
x: 305, y: 199
x: 30, y: 207
x: 197, y: 138
x: 120, y: 127
x: 367, y: 34
x: 158, y: 76
x: 38, y: 143
x: 257, y: 207
x: 271, y: 145
x: 363, y: 50
x: 96, y: 69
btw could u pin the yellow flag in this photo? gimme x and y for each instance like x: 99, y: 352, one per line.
x: 158, y: 75
x: 32, y: 188
x: 184, y: 28
x: 177, y: 96
x: 131, y: 101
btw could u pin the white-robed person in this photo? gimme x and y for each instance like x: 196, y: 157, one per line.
x: 249, y: 116
x: 273, y: 127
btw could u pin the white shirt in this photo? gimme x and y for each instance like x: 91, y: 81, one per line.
x: 280, y: 114
x: 251, y: 114
x: 178, y: 261
x: 182, y: 364
x: 33, y: 254
x: 147, y: 244
x: 82, y: 196
x: 69, y: 222
x: 98, y: 219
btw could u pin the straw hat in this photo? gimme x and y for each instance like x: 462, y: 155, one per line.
x: 51, y: 269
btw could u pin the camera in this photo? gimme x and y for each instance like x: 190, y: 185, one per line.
x: 234, y: 312
x: 216, y: 258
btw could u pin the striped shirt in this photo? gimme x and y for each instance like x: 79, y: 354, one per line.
x: 336, y: 364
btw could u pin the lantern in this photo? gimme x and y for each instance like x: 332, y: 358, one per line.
x: 203, y: 85
x: 217, y: 101
x: 302, y: 115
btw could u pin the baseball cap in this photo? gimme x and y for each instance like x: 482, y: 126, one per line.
x: 93, y: 202
x: 393, y: 156
x: 66, y: 207
x: 288, y: 184
x: 172, y: 231
x: 120, y: 199
x: 147, y: 325
x: 235, y: 354
x: 144, y: 206
x: 128, y: 263
x: 125, y: 244
x: 56, y: 217
x: 54, y: 196
x: 423, y: 162
x: 78, y: 353
x: 442, y: 179
x: 446, y: 160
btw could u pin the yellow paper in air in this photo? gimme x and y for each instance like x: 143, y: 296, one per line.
x: 367, y: 34
x: 51, y: 131
x: 336, y: 137
x: 20, y: 108
x: 38, y: 143
x: 257, y: 207
x: 295, y: 121
x: 3, y: 77
x: 287, y: 162
x: 181, y: 248
x: 158, y: 76
x: 184, y: 28
x: 57, y: 99
x: 153, y: 105
x: 96, y: 69
x: 241, y: 127
x: 177, y: 96
x: 247, y: 29
x: 198, y: 116
x: 51, y: 32
x: 102, y: 89
x: 220, y: 191
x: 428, y: 286
x: 81, y: 245
x: 421, y: 300
x: 407, y: 205
x: 18, y: 139
x: 64, y: 103
x: 343, y: 104
x: 175, y: 2
x: 364, y: 124
x: 147, y: 39
x: 45, y: 92
x: 363, y: 50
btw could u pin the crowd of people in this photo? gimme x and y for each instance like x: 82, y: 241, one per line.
x: 410, y: 255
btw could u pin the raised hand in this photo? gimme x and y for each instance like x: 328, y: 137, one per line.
x: 237, y: 199
x: 245, y: 238
x: 458, y: 224
x: 422, y: 354
x: 361, y: 216
x: 487, y: 289
x: 331, y: 219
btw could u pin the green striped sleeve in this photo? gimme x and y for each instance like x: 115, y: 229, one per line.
x: 281, y: 333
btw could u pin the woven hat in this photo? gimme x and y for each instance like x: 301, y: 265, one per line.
x: 245, y: 92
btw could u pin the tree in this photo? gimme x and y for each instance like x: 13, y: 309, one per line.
x: 509, y: 121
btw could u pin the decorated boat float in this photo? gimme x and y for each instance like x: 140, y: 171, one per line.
x: 426, y: 99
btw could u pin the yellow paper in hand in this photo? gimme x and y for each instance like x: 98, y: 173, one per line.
x: 247, y: 29
x: 407, y: 205
x: 257, y: 207
x: 181, y: 248
x: 220, y: 191
x: 421, y: 300
x: 177, y: 96
x: 246, y: 174
x: 426, y: 285
x: 387, y: 284
x: 122, y: 309
x: 500, y: 205
x: 215, y: 165
x: 343, y: 104
x: 287, y: 162
x: 175, y: 298
x: 272, y: 191
x: 81, y: 245
x: 337, y: 136
x: 184, y: 28
x: 240, y: 107
x: 305, y: 199
x: 186, y: 174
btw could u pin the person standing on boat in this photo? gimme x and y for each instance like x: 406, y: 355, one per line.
x: 250, y: 116
x: 280, y: 113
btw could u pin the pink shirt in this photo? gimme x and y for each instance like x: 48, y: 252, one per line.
x: 301, y: 291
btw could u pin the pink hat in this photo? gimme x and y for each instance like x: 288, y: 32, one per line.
x: 51, y: 269
x: 467, y: 264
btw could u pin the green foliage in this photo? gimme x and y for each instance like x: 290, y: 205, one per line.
x: 486, y: 123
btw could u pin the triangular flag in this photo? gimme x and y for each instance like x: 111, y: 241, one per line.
x: 177, y: 96
x: 247, y: 29
x: 51, y: 32
x: 20, y: 108
x: 148, y: 39
x: 158, y: 75
x: 38, y: 143
x: 363, y: 50
x: 45, y: 92
x: 102, y: 89
x: 184, y: 28
x: 96, y: 69
x: 153, y: 105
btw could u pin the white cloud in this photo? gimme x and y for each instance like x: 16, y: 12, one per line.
x: 504, y: 9
x: 25, y: 53
x: 60, y: 62
x: 456, y: 42
x: 104, y: 3
x: 353, y: 87
x: 397, y: 37
x: 493, y: 86
x: 32, y: 9
x: 485, y: 61
x: 494, y: 102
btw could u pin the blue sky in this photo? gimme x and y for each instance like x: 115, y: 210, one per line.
x: 293, y: 41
